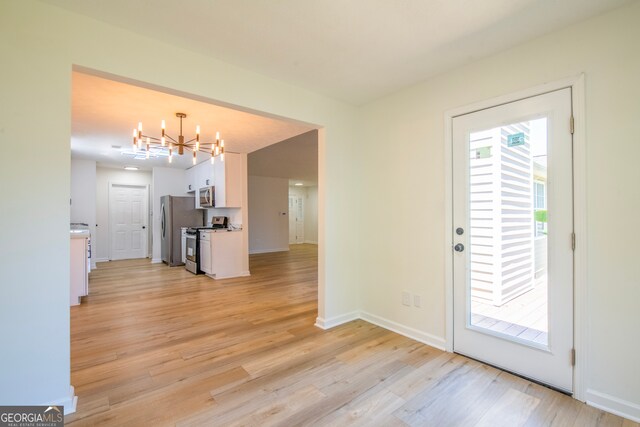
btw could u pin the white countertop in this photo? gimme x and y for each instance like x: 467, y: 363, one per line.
x: 79, y: 234
x: 221, y: 230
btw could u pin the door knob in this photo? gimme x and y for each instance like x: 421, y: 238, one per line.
x: 459, y: 247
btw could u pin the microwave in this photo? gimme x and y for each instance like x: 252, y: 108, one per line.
x: 206, y: 195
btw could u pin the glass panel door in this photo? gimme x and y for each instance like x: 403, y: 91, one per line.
x: 513, y: 221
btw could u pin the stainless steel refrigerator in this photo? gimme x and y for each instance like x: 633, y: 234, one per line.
x: 175, y: 213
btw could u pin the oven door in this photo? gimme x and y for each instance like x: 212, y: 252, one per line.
x: 191, y: 262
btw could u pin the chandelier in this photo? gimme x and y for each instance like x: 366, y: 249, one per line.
x: 142, y: 142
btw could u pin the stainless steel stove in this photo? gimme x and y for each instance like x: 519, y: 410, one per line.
x: 192, y: 262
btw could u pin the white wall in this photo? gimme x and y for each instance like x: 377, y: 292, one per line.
x: 310, y: 200
x: 165, y: 182
x: 411, y: 256
x: 268, y: 198
x: 104, y: 177
x: 36, y: 89
x: 83, y: 195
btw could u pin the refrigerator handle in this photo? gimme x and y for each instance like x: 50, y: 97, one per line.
x: 162, y: 221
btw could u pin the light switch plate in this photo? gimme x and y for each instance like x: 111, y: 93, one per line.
x: 406, y: 298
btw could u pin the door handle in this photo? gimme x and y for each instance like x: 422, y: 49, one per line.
x: 459, y: 247
x: 144, y: 227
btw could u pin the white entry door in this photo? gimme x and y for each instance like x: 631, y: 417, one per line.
x: 512, y: 237
x: 128, y: 210
x: 296, y: 219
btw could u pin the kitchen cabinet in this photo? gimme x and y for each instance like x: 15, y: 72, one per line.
x: 226, y: 176
x: 226, y: 254
x: 190, y: 175
x: 204, y: 174
x: 228, y: 181
x: 183, y: 244
x: 221, y: 253
x: 79, y: 271
x: 205, y: 252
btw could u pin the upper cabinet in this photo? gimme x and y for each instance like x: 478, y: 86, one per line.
x: 191, y: 180
x: 225, y: 176
x: 204, y: 174
x: 228, y: 181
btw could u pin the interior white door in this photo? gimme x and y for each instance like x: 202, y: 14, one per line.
x: 299, y: 207
x: 292, y: 220
x: 296, y: 219
x: 512, y: 236
x: 128, y: 210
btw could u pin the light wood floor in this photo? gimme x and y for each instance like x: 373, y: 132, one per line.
x: 154, y: 345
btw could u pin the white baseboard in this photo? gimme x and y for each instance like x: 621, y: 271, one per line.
x: 69, y: 402
x: 414, y: 334
x: 310, y: 242
x: 156, y: 260
x: 423, y: 337
x: 100, y: 260
x: 230, y: 276
x: 266, y: 251
x: 332, y: 322
x: 612, y: 404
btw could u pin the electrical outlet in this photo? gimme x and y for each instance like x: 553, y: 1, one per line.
x: 417, y: 301
x: 406, y: 298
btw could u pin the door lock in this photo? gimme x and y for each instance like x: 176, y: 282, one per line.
x: 459, y: 247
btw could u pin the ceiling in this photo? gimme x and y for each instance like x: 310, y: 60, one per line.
x: 356, y: 50
x: 295, y: 159
x: 104, y: 113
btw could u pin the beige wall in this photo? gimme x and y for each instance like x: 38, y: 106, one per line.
x: 269, y: 229
x: 357, y: 171
x: 411, y: 256
x: 83, y: 196
x: 41, y: 44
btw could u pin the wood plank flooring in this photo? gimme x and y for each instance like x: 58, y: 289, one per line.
x: 154, y: 346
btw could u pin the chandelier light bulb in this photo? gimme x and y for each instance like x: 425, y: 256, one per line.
x: 163, y: 141
x: 147, y: 153
x: 222, y: 157
x: 222, y: 143
x: 170, y: 155
x: 194, y: 157
x: 197, y: 145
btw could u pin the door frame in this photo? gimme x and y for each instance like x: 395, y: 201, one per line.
x: 580, y: 279
x: 147, y: 217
